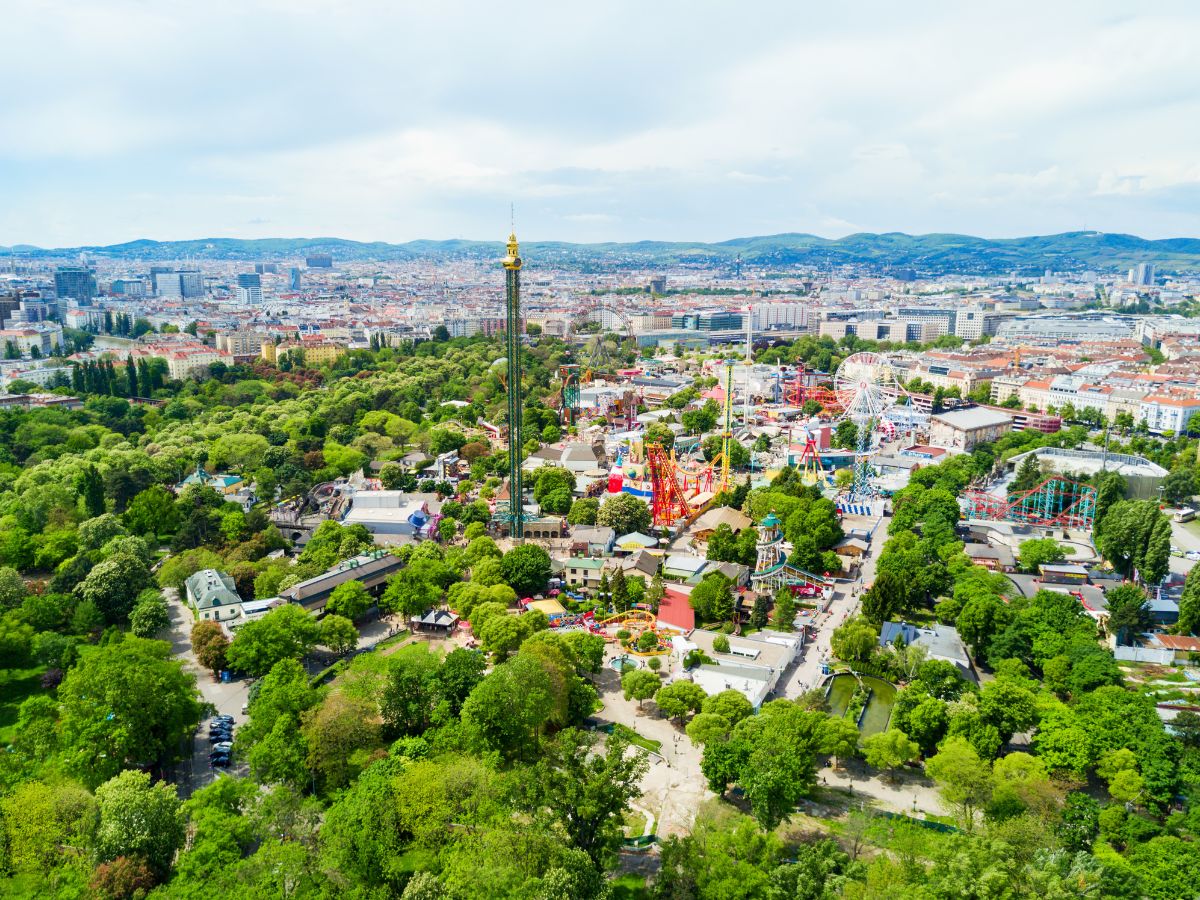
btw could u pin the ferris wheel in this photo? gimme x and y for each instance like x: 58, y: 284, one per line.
x: 604, y: 349
x: 867, y: 387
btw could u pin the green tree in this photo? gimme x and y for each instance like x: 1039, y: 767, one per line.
x: 90, y: 488
x: 410, y: 592
x: 640, y: 684
x: 781, y: 745
x: 1189, y: 603
x: 889, y: 750
x: 712, y: 598
x: 12, y: 588
x: 139, y: 819
x: 338, y: 634
x: 526, y: 569
x: 1128, y: 612
x: 587, y: 793
x: 40, y: 819
x: 1029, y: 475
x: 706, y: 728
x: 625, y: 514
x: 584, y: 511
x: 553, y: 488
x: 286, y: 632
x: 150, y: 615
x: 676, y: 700
x: 349, y: 599
x: 124, y: 705
x: 1137, y: 538
x: 886, y: 597
x: 1038, y: 552
x: 731, y: 705
x: 785, y: 609
x: 655, y: 592
x: 854, y: 640
x: 964, y: 780
x: 839, y: 738
x: 981, y: 619
x: 339, y: 733
x: 114, y: 584
x: 507, y: 709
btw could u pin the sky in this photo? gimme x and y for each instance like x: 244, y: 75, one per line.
x: 615, y: 121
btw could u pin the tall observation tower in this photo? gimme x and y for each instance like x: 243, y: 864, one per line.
x: 512, y: 341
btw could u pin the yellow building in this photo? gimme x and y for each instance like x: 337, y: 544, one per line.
x: 314, y: 354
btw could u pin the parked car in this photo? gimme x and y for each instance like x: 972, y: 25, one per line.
x: 220, y: 737
x: 223, y: 718
x: 221, y: 762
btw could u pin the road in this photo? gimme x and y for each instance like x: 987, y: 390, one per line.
x: 807, y: 673
x: 226, y: 698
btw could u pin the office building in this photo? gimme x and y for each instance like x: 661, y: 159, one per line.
x: 780, y: 316
x: 1142, y: 274
x: 266, y: 268
x: 8, y: 306
x: 76, y: 282
x: 973, y: 322
x: 167, y: 284
x: 294, y: 279
x: 949, y: 316
x: 191, y: 283
x: 319, y: 261
x: 249, y: 288
x: 134, y: 288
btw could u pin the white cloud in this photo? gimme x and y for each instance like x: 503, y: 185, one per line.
x: 388, y: 121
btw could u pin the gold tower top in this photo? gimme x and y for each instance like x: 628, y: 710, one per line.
x: 513, y: 259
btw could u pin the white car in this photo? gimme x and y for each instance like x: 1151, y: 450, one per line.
x: 1192, y: 555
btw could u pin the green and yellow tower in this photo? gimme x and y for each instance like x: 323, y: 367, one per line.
x: 512, y: 304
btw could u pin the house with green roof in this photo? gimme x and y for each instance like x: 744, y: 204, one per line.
x: 213, y: 596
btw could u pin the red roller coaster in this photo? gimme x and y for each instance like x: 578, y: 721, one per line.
x: 797, y: 393
x: 1056, y: 502
x: 668, y: 504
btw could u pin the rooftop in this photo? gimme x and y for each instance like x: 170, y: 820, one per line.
x: 971, y: 419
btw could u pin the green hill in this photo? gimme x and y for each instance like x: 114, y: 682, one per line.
x: 925, y: 253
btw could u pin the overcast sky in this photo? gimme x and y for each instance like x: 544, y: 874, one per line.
x: 396, y: 120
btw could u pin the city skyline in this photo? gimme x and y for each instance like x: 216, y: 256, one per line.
x: 673, y: 123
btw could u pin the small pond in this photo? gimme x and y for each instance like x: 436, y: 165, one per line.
x: 879, y: 707
x: 623, y: 663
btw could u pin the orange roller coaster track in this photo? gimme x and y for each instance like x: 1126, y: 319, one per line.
x: 668, y: 504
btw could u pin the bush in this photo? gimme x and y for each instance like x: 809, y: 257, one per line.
x: 623, y: 634
x: 654, y: 663
x: 647, y: 641
x: 721, y: 644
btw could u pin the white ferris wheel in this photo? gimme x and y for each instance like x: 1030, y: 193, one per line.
x: 867, y: 386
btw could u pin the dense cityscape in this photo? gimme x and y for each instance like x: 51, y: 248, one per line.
x: 562, y: 452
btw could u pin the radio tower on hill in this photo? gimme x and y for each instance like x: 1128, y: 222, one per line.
x: 512, y: 341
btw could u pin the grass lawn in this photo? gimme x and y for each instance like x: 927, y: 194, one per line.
x: 15, y: 686
x: 636, y: 739
x: 629, y: 887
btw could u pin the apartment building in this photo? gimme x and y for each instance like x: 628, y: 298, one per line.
x: 241, y: 343
x: 1163, y: 412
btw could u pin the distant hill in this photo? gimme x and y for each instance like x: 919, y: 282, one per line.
x: 925, y: 253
